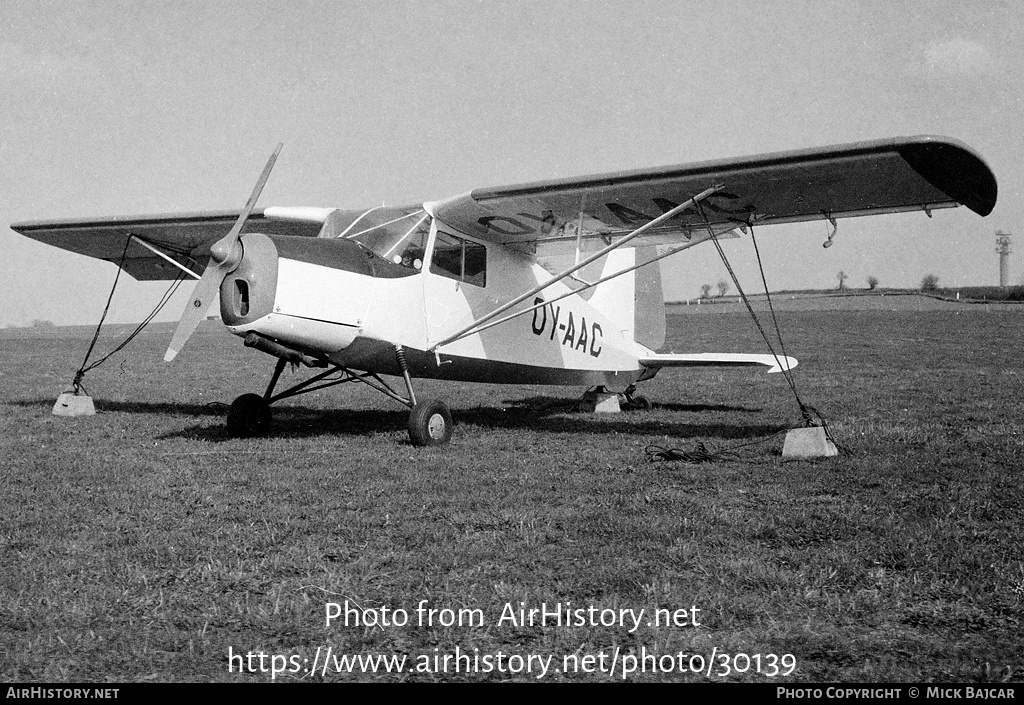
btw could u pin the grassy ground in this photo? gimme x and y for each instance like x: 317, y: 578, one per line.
x: 143, y: 544
x: 993, y: 298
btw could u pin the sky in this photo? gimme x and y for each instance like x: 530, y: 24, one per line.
x: 117, y: 107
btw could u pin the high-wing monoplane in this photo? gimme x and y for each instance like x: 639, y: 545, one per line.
x: 540, y: 283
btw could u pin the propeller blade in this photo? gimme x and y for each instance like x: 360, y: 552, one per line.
x: 206, y: 291
x: 225, y: 256
x: 232, y: 236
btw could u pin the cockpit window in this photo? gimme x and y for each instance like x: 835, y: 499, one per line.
x: 459, y: 259
x: 400, y: 238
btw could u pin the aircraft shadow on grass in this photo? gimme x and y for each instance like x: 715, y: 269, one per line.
x: 134, y: 407
x: 542, y: 405
x: 549, y: 414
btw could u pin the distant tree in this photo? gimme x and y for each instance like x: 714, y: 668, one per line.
x: 705, y: 291
x: 40, y: 323
x: 842, y: 276
x: 723, y: 286
x: 929, y: 283
x: 872, y: 282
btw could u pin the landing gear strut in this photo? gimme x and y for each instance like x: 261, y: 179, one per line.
x: 430, y: 421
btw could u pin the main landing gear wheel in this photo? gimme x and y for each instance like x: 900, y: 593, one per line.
x: 430, y: 424
x: 249, y: 416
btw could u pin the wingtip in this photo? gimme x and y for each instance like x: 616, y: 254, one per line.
x: 956, y: 169
x: 170, y: 355
x: 783, y: 363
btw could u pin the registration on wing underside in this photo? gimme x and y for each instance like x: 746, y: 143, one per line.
x: 533, y: 222
x: 872, y: 177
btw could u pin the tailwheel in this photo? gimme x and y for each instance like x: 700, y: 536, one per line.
x: 640, y: 403
x: 430, y: 423
x: 634, y: 402
x: 249, y: 416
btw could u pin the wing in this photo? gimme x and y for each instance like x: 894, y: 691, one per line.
x: 656, y: 362
x: 186, y: 237
x: 883, y: 176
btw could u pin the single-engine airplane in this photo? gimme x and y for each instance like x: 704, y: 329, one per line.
x: 469, y: 288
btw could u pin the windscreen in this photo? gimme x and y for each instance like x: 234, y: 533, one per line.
x: 397, y: 235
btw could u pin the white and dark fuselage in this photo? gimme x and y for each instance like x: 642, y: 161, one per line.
x: 336, y: 298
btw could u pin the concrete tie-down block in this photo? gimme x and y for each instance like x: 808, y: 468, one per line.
x: 808, y: 443
x: 71, y: 404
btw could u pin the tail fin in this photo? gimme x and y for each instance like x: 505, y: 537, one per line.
x: 649, y: 307
x: 633, y: 300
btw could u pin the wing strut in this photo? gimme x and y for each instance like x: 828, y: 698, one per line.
x: 579, y: 230
x: 158, y: 253
x: 472, y: 327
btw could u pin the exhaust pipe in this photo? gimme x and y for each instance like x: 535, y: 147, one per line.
x: 272, y: 347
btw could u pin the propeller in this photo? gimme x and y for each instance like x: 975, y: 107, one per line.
x: 225, y: 256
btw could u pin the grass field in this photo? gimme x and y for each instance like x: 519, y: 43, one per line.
x: 143, y: 543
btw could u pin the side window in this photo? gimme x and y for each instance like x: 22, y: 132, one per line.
x: 459, y: 259
x: 474, y: 267
x: 447, y: 260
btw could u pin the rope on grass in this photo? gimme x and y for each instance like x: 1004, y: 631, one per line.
x: 701, y: 454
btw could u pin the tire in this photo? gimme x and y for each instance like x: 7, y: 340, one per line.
x: 248, y: 417
x: 641, y: 403
x: 430, y: 424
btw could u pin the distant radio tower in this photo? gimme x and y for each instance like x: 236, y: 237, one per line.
x: 1003, y: 248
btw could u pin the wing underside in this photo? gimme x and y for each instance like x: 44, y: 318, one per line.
x: 186, y: 237
x: 884, y: 176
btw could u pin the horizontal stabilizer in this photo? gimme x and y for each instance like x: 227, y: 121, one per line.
x: 776, y: 362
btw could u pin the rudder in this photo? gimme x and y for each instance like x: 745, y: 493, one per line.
x: 634, y: 301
